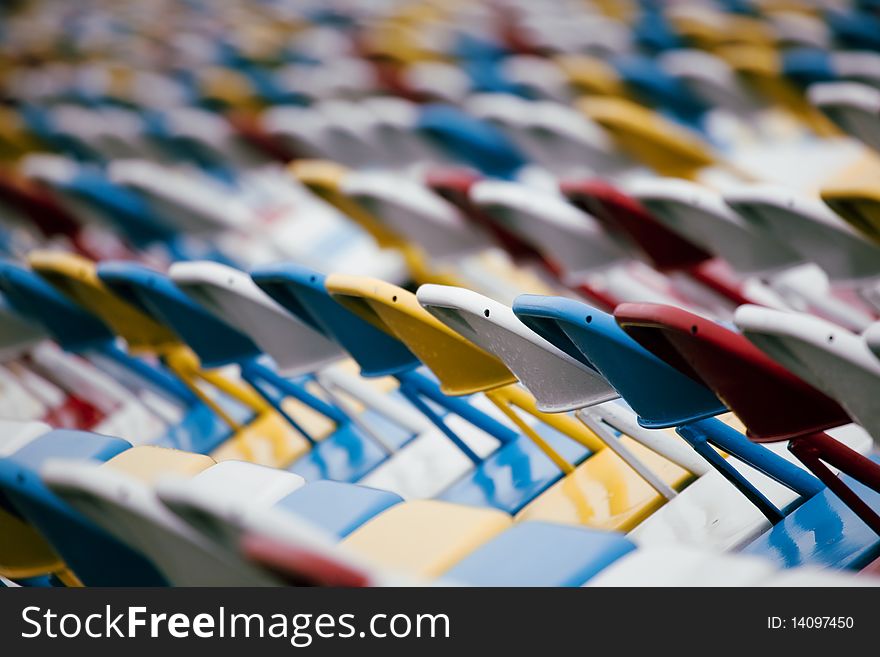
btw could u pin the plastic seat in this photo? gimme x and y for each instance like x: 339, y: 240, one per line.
x: 713, y: 513
x: 80, y: 332
x: 853, y: 107
x: 872, y: 338
x: 560, y: 231
x: 824, y: 355
x: 808, y: 227
x: 119, y: 496
x: 774, y: 405
x: 95, y: 557
x: 701, y: 215
x: 411, y: 210
x: 521, y: 556
x: 345, y: 455
x: 646, y: 136
x: 665, y: 249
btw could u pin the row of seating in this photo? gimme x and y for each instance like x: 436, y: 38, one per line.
x: 685, y: 394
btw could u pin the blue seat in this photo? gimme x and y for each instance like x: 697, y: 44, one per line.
x: 806, y: 66
x: 541, y: 554
x: 516, y: 473
x: 471, y: 140
x: 300, y: 290
x: 97, y: 558
x: 339, y: 508
x: 508, y: 478
x: 345, y: 455
x: 78, y: 331
x: 823, y: 532
x: 662, y: 395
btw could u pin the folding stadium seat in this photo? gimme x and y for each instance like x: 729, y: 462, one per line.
x: 775, y: 405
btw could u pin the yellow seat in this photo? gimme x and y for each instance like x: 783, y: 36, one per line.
x: 761, y: 68
x: 648, y: 137
x: 426, y: 537
x: 858, y: 204
x: 25, y: 552
x: 591, y: 75
x: 604, y: 492
x: 324, y: 179
x: 267, y: 439
x: 147, y: 464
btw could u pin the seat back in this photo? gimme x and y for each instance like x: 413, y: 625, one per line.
x: 559, y: 230
x: 826, y: 356
x: 77, y: 278
x: 558, y: 381
x: 853, y: 107
x: 809, y: 228
x: 231, y: 295
x: 411, y: 210
x: 70, y: 325
x: 701, y: 216
x: 461, y: 367
x: 646, y: 136
x: 660, y: 394
x: 301, y: 292
x: 213, y: 340
x: 623, y: 216
x: 125, y: 504
x: 95, y: 555
x: 770, y: 401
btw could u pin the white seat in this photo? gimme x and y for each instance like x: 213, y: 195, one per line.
x: 415, y: 212
x: 809, y: 577
x: 560, y: 230
x: 129, y: 509
x: 228, y: 520
x: 826, y: 356
x: 710, y: 78
x: 679, y: 565
x: 233, y: 296
x: 854, y: 107
x: 185, y: 200
x: 701, y: 215
x: 810, y: 228
x: 558, y: 381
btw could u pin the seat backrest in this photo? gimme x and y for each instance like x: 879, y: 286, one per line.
x: 410, y: 209
x: 324, y: 179
x: 660, y: 394
x: 646, y: 136
x: 853, y: 107
x: 810, y: 228
x: 301, y: 292
x: 471, y: 140
x: 622, y: 215
x: 461, y: 367
x: 454, y: 185
x: 558, y: 381
x: 770, y: 401
x: 213, y: 340
x: 77, y: 278
x: 231, y: 295
x: 700, y: 215
x: 70, y: 325
x: 859, y: 204
x: 826, y: 356
x: 94, y: 555
x: 561, y: 231
x: 128, y: 508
